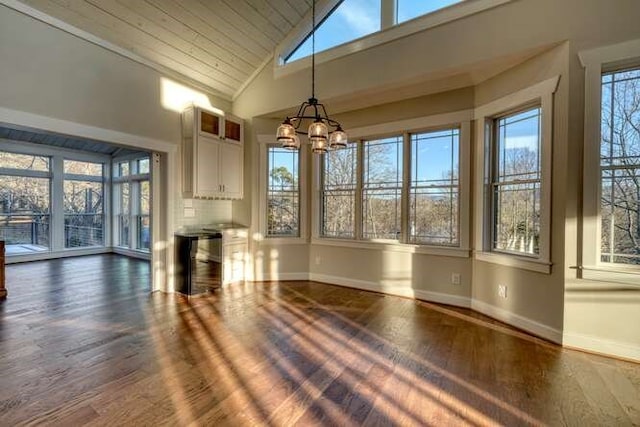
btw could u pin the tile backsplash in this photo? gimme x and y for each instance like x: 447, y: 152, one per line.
x: 203, y: 211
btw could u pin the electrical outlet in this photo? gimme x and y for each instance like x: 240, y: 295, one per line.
x: 502, y: 291
x: 455, y: 278
x: 318, y: 260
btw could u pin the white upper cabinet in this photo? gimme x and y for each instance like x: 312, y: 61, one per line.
x: 212, y: 154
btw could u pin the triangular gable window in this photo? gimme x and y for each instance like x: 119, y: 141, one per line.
x: 355, y: 19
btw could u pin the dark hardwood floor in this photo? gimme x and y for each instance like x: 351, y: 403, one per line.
x: 83, y: 342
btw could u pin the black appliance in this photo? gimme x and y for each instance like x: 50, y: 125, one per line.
x: 198, y: 262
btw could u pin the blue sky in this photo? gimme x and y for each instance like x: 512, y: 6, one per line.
x: 357, y: 18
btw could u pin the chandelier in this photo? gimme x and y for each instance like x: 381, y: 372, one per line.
x: 321, y: 138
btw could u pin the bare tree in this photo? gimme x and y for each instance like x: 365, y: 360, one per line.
x: 620, y: 162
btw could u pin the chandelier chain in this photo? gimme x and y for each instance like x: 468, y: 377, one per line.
x: 313, y: 49
x: 321, y: 137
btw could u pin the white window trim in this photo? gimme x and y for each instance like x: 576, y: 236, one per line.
x: 461, y: 119
x: 263, y: 143
x: 541, y: 93
x: 595, y: 61
x: 404, y: 29
x: 393, y: 246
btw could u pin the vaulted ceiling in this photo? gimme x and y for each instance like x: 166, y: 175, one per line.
x: 218, y: 44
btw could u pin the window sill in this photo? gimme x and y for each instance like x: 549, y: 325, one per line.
x: 619, y: 274
x: 393, y: 247
x: 531, y: 264
x: 278, y: 241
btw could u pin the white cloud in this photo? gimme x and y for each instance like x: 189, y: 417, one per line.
x: 359, y: 18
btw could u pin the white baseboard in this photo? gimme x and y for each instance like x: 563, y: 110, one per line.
x: 602, y: 346
x: 45, y: 255
x: 402, y: 291
x: 283, y: 277
x: 131, y: 253
x: 524, y: 323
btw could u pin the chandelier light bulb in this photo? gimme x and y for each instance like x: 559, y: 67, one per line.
x: 291, y: 143
x: 318, y: 130
x: 286, y: 135
x: 338, y: 139
x: 319, y: 145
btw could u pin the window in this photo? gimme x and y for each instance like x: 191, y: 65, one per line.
x: 123, y: 213
x: 513, y: 178
x: 142, y: 166
x: 355, y: 25
x: 404, y: 188
x: 611, y: 162
x: 352, y: 19
x: 122, y: 169
x: 620, y: 167
x: 434, y: 188
x: 339, y: 181
x: 83, y: 204
x: 516, y: 179
x: 143, y: 219
x: 283, y: 192
x: 132, y: 204
x: 382, y: 189
x: 25, y: 202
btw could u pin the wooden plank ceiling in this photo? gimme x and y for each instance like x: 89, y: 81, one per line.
x: 216, y: 43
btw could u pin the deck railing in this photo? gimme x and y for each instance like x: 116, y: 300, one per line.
x: 80, y: 230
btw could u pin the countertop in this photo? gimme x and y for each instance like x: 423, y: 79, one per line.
x: 208, y: 230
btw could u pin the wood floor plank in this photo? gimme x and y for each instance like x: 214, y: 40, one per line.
x: 83, y: 342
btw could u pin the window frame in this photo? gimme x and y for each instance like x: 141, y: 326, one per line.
x: 266, y: 177
x: 260, y: 196
x: 494, y: 177
x: 410, y: 187
x: 538, y: 94
x: 37, y: 174
x: 460, y: 120
x: 134, y: 179
x: 356, y: 190
x: 101, y: 179
x: 597, y: 62
x: 373, y: 186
